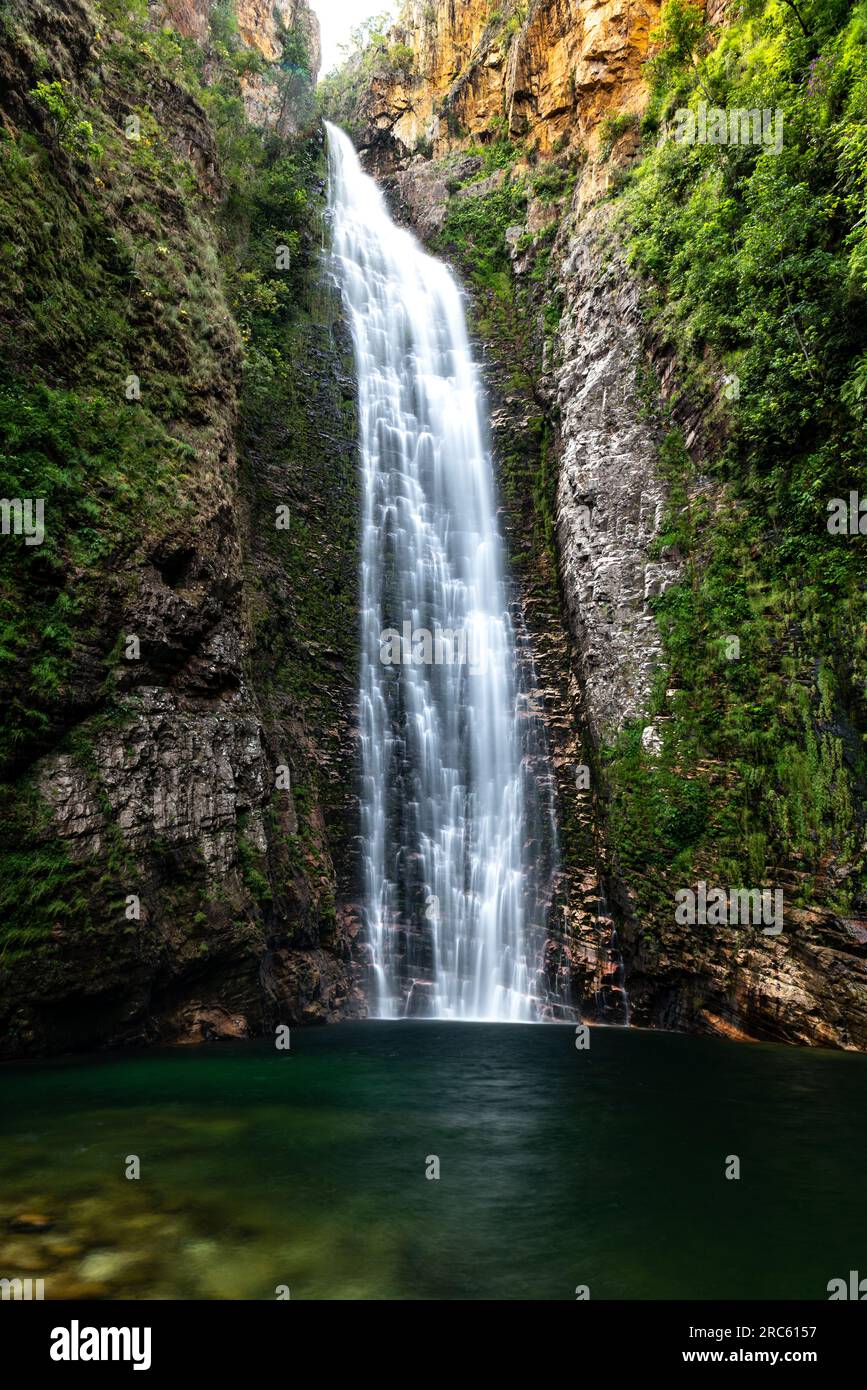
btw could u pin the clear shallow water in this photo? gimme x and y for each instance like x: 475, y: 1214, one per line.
x: 558, y: 1167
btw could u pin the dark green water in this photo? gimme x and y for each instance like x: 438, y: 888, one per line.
x: 558, y: 1167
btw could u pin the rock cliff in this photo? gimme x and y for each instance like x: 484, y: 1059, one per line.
x: 178, y: 798
x: 276, y: 92
x: 548, y: 69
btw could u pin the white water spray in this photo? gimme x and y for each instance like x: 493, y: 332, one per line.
x: 449, y: 889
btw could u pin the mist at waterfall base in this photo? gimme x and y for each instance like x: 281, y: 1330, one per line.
x: 460, y: 844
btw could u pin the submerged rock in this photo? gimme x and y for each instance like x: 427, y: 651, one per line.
x: 32, y: 1221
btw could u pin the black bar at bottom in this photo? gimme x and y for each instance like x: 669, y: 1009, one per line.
x: 224, y: 1338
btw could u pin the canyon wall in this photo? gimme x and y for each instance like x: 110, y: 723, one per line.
x: 549, y: 69
x: 179, y: 792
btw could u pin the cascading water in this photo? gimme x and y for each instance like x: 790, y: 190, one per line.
x: 455, y: 909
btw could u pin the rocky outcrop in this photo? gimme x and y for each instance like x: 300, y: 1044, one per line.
x: 610, y: 499
x: 807, y: 986
x: 549, y: 72
x: 259, y: 23
x: 280, y: 99
x: 187, y: 797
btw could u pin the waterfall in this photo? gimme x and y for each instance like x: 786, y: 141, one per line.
x: 458, y: 860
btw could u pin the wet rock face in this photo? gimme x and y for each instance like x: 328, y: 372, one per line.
x: 610, y: 499
x: 807, y: 986
x: 175, y: 771
x: 421, y: 196
x: 203, y: 927
x: 217, y: 904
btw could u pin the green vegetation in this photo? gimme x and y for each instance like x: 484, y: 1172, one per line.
x: 499, y: 153
x: 613, y: 127
x: 504, y: 22
x: 113, y: 319
x: 756, y: 265
x: 518, y: 314
x: 139, y: 291
x: 40, y: 887
x: 73, y: 135
x: 554, y: 182
x: 103, y: 469
x: 477, y: 226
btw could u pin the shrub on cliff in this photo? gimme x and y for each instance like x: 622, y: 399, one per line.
x: 757, y: 247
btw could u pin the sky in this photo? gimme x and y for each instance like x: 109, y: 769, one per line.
x: 339, y: 17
